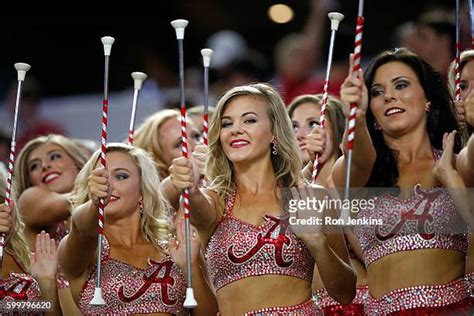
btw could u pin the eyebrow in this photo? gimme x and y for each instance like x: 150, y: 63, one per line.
x: 49, y: 152
x: 244, y: 114
x: 393, y: 80
x: 120, y: 169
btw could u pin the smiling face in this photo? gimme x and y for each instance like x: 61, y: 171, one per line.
x: 304, y: 118
x: 49, y: 166
x: 170, y: 139
x: 398, y: 100
x: 246, y: 130
x: 125, y: 182
x: 467, y: 79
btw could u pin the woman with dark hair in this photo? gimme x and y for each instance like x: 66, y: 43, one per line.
x: 403, y: 124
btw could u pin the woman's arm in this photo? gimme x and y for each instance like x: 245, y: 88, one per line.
x: 41, y: 208
x: 78, y: 249
x: 202, y: 202
x: 465, y: 163
x: 329, y: 250
x: 44, y: 266
x: 364, y: 155
x: 445, y: 173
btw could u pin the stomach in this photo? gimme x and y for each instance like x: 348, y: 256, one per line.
x: 259, y: 292
x: 412, y: 268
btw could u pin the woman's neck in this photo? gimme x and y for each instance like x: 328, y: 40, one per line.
x: 258, y: 177
x: 410, y: 147
x: 125, y: 232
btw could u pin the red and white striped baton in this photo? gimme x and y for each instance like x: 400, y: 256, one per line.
x: 353, y: 106
x: 335, y: 18
x: 98, y: 299
x: 179, y: 26
x: 21, y: 69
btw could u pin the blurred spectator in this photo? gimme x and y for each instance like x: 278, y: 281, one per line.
x: 247, y: 69
x: 30, y: 124
x: 296, y: 56
x: 406, y: 35
x: 437, y: 38
x: 5, y: 142
x: 227, y: 46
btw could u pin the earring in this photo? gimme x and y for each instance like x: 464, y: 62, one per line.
x: 141, y: 205
x: 274, y: 147
x: 428, y: 106
x: 377, y: 126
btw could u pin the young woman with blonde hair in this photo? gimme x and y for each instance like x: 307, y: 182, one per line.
x: 45, y: 172
x: 142, y: 270
x: 254, y: 258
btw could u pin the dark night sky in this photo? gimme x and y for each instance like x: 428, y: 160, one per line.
x: 66, y: 53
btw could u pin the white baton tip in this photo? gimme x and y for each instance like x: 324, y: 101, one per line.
x: 335, y: 18
x: 179, y: 26
x: 21, y: 69
x: 206, y: 56
x: 138, y: 78
x: 190, y: 301
x: 107, y: 41
x: 98, y: 299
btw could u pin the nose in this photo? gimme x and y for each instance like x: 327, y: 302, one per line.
x: 389, y: 95
x: 45, y: 165
x: 236, y: 129
x: 301, y: 133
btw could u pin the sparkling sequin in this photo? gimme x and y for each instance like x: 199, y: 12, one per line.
x: 419, y: 297
x: 19, y: 287
x: 427, y: 220
x: 238, y: 250
x: 159, y: 288
x: 329, y: 306
x: 305, y: 309
x: 61, y: 231
x: 470, y: 281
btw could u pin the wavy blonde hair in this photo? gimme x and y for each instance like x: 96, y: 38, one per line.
x: 147, y: 136
x: 287, y: 163
x: 16, y: 245
x: 154, y: 222
x: 466, y: 56
x: 22, y: 175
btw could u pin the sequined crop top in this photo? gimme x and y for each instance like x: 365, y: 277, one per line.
x: 426, y: 220
x: 19, y: 287
x: 159, y: 288
x: 238, y: 250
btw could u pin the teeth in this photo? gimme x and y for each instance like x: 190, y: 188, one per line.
x: 239, y: 143
x: 393, y: 111
x: 51, y: 177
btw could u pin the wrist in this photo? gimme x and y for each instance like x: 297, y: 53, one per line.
x: 47, y: 282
